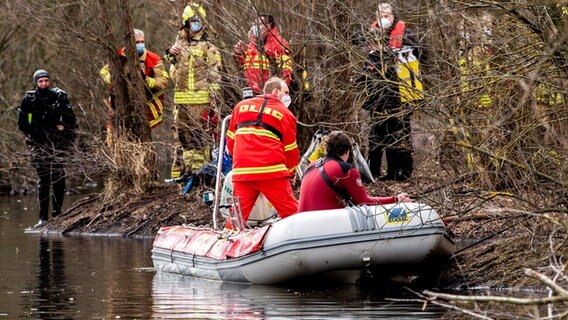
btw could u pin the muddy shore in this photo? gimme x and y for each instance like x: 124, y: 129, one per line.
x: 504, y: 237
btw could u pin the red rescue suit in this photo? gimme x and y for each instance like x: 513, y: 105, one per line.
x: 262, y: 141
x: 260, y: 62
x: 154, y: 94
x: 316, y: 194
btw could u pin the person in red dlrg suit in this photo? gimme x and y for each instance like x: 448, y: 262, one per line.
x: 262, y: 141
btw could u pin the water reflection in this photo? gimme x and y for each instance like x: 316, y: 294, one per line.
x: 178, y: 297
x: 111, y: 278
x: 51, y: 298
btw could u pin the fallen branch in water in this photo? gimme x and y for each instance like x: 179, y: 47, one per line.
x: 425, y: 301
x: 561, y: 294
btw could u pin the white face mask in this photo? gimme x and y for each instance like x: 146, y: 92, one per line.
x: 386, y: 23
x: 286, y: 100
x: 255, y: 31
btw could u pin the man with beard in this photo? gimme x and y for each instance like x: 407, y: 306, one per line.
x: 46, y: 118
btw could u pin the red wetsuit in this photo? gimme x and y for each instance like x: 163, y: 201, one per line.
x: 316, y: 194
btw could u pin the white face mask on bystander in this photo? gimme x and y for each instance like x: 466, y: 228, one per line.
x: 386, y: 23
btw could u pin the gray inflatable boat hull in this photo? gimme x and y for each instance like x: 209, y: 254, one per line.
x: 326, y: 242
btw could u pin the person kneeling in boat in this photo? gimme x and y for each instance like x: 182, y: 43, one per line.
x: 332, y: 182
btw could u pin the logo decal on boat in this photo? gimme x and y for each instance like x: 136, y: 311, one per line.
x: 397, y: 215
x: 228, y: 189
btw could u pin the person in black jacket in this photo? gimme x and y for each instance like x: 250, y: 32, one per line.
x: 389, y: 96
x: 46, y: 118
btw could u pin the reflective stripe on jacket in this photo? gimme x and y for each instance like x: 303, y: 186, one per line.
x: 474, y: 70
x: 266, y: 149
x: 273, y: 59
x: 196, y: 70
x: 408, y: 71
x: 157, y: 80
x: 407, y: 64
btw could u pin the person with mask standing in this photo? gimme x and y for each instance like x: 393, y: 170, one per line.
x: 155, y: 76
x: 195, y: 68
x: 262, y: 141
x: 47, y: 119
x: 392, y: 87
x: 266, y: 55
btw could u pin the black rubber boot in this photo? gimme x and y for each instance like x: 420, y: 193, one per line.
x: 399, y: 164
x: 43, y: 185
x: 404, y: 162
x: 375, y: 160
x: 58, y: 178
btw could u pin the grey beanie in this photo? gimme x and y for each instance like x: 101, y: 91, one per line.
x: 40, y: 74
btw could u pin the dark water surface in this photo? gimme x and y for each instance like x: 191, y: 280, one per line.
x: 54, y: 277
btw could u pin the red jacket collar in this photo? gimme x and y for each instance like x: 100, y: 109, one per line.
x: 395, y: 32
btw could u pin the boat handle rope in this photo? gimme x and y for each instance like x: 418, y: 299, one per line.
x: 361, y: 221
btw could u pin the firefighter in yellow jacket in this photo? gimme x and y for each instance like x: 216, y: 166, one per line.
x: 155, y: 77
x: 195, y: 69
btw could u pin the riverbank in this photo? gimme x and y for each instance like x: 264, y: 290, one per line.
x: 129, y: 214
x: 506, y: 233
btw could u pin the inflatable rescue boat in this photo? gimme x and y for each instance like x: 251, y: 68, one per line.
x: 316, y: 243
x: 340, y: 244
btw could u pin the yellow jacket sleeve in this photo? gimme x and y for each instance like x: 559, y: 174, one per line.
x: 161, y: 78
x: 215, y: 65
x: 105, y: 75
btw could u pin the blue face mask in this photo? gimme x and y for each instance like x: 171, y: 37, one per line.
x: 140, y: 48
x: 195, y: 26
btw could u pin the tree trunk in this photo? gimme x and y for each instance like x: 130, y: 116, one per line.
x: 130, y: 149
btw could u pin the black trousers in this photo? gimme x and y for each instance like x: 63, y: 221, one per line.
x: 390, y: 133
x: 50, y: 168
